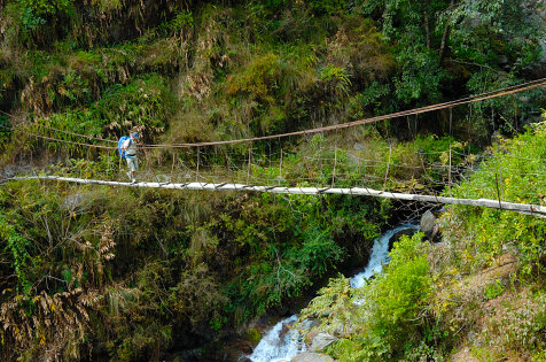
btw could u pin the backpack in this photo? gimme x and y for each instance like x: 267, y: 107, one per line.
x: 120, y: 143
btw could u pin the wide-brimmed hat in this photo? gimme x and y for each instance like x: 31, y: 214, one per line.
x: 135, y: 135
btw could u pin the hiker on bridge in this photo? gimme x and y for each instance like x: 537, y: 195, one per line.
x: 128, y: 148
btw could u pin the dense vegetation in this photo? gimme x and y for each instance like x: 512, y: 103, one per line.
x: 93, y: 273
x: 482, y: 288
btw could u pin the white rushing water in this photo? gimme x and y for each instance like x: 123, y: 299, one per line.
x: 277, y: 346
x: 379, y: 255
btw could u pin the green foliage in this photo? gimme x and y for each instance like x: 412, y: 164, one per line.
x: 293, y: 241
x: 371, y: 98
x: 539, y: 356
x: 509, y: 175
x: 484, y: 36
x: 398, y: 295
x: 493, y: 290
x: 179, y: 23
x: 484, y: 29
x: 37, y: 12
x: 328, y: 7
x: 17, y: 246
x: 254, y: 336
x: 287, y: 256
x: 292, y: 26
x: 318, y: 252
x: 198, y: 298
x: 158, y: 266
x: 106, y: 5
x: 259, y: 78
x: 142, y: 104
x: 514, y: 326
x: 350, y: 350
x: 144, y: 342
x: 334, y: 306
x: 412, y: 28
x: 509, y: 115
x: 390, y: 317
x: 421, y: 76
x: 424, y: 352
x: 336, y: 78
x: 75, y: 87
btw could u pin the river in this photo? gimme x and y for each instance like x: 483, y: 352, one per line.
x: 277, y: 346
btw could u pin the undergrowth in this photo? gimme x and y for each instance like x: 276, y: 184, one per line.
x: 94, y: 272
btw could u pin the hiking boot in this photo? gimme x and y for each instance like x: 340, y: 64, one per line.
x: 133, y: 181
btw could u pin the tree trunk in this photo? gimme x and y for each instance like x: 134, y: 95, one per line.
x: 445, y: 35
x: 427, y: 29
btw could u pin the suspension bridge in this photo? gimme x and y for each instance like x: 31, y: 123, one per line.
x: 216, y: 185
x: 536, y: 210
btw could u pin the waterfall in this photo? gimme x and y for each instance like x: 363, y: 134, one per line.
x: 277, y: 346
x: 379, y: 255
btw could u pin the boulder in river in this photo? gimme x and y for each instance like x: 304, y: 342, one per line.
x: 321, y: 341
x: 428, y: 224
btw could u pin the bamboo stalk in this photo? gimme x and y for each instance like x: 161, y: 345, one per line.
x: 530, y: 209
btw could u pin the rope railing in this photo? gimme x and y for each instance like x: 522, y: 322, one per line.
x: 415, y: 111
x: 329, y: 172
x: 27, y: 122
x: 435, y: 107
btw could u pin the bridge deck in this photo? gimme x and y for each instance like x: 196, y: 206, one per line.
x: 529, y: 209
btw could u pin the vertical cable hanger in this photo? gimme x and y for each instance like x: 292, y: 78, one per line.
x: 249, y: 165
x: 450, y: 148
x: 198, y: 162
x: 280, y: 160
x: 335, y: 162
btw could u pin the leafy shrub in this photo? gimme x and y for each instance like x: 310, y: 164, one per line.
x: 420, y: 78
x: 17, y: 246
x: 328, y: 7
x: 293, y: 241
x: 511, y: 174
x: 493, y: 290
x: 509, y: 116
x: 43, y: 22
x: 390, y: 316
x: 539, y: 356
x: 335, y: 78
x: 260, y: 78
x: 335, y: 308
x: 399, y: 294
x: 37, y: 12
x: 143, y: 103
x: 289, y: 252
x: 198, y: 298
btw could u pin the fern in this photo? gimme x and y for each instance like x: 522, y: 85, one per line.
x: 17, y: 246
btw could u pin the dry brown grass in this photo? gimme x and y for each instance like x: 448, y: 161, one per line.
x: 492, y: 316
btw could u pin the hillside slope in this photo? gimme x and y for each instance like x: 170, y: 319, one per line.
x: 97, y: 273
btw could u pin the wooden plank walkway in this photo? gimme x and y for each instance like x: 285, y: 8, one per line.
x: 530, y: 209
